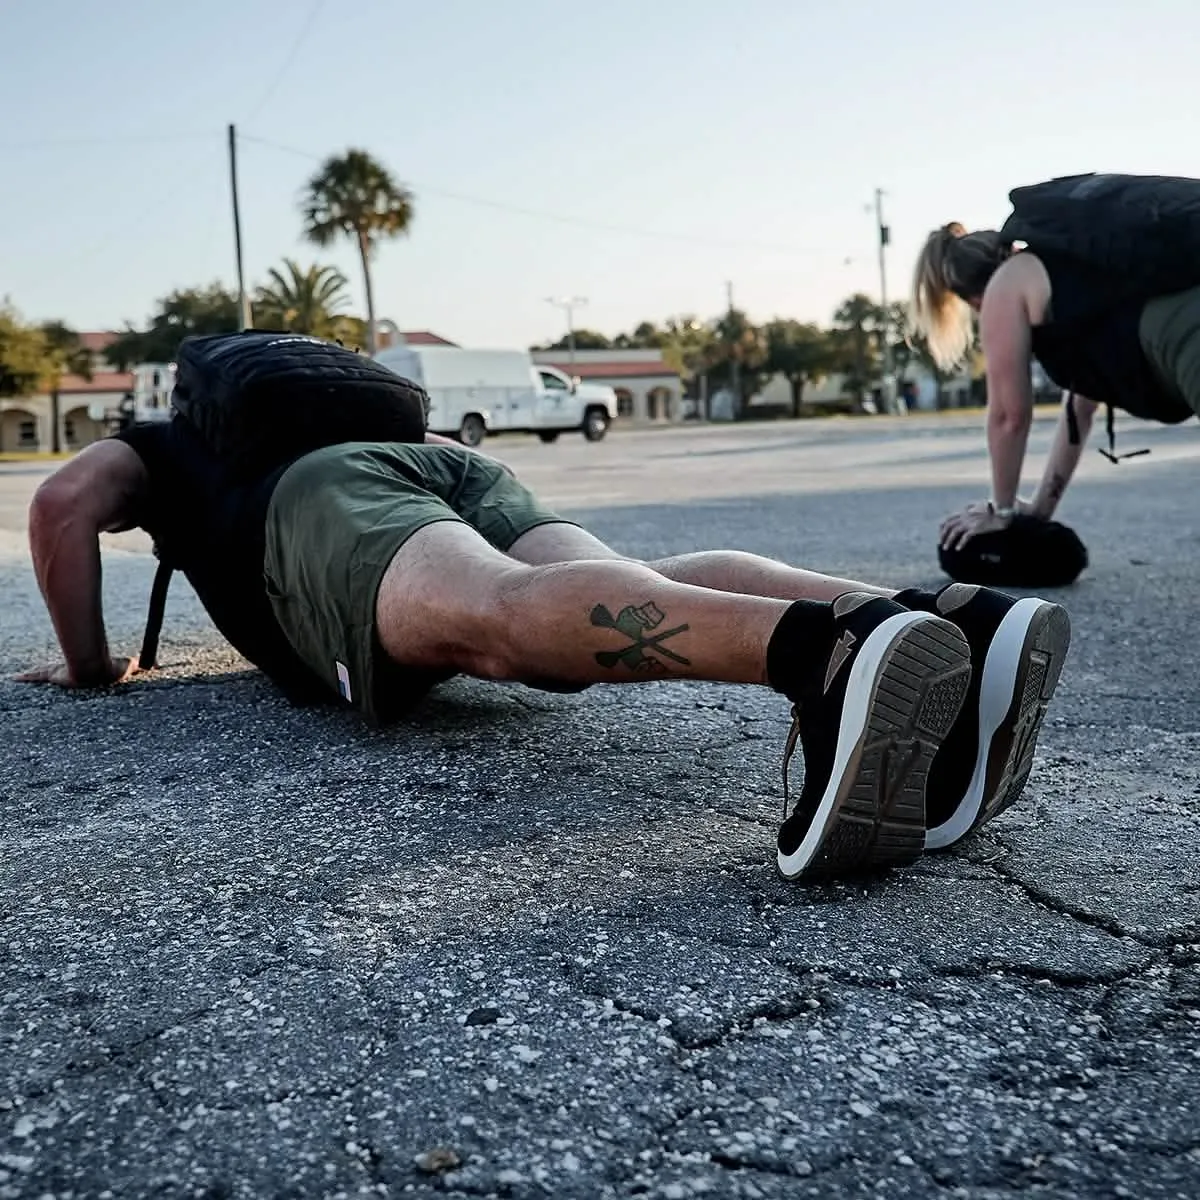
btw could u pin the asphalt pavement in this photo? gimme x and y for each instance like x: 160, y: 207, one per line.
x: 530, y: 945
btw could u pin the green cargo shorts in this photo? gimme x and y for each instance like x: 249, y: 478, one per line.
x: 336, y: 520
x: 1169, y: 330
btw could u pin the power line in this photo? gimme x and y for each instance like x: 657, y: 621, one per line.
x: 564, y: 219
x: 162, y: 197
x: 176, y: 136
x: 301, y: 36
x: 118, y: 139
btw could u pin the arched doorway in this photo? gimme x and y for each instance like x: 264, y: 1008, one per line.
x: 658, y: 404
x: 19, y: 430
x: 624, y: 402
x: 80, y: 430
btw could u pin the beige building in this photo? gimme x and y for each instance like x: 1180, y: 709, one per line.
x: 954, y: 392
x: 26, y: 423
x: 648, y: 390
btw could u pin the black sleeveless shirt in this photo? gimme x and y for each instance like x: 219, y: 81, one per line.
x: 1090, y: 343
x: 214, y: 531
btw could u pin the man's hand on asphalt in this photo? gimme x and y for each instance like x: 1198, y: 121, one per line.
x: 120, y: 670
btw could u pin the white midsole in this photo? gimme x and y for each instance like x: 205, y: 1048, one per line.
x: 863, y: 673
x: 996, y: 694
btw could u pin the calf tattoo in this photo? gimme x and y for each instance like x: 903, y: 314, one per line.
x: 645, y: 652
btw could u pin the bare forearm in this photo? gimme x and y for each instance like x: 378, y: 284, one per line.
x: 1064, y: 458
x: 1008, y: 433
x: 66, y: 559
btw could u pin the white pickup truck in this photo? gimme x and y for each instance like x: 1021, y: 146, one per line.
x: 474, y: 393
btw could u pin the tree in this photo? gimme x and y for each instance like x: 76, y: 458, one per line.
x: 686, y: 343
x: 35, y: 358
x: 301, y: 300
x: 585, y: 339
x: 188, y: 311
x: 24, y: 355
x: 66, y: 356
x: 899, y: 337
x: 858, y: 324
x: 739, y: 349
x: 350, y: 331
x: 800, y: 352
x: 357, y: 196
x: 646, y: 336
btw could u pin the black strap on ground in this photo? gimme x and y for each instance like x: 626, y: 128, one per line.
x: 148, y: 658
x: 1111, y: 453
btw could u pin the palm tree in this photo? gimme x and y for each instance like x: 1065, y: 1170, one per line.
x: 736, y: 356
x: 357, y: 196
x: 858, y: 324
x: 303, y: 299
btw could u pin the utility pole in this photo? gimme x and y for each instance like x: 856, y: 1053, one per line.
x: 569, y: 305
x: 735, y: 367
x: 243, y: 303
x: 885, y: 236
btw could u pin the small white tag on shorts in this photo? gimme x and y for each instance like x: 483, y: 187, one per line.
x: 343, y: 681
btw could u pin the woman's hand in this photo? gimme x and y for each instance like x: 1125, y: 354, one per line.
x: 957, y: 530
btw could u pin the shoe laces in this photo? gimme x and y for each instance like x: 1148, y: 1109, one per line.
x: 789, y: 748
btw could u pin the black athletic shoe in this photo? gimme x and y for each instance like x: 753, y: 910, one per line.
x: 870, y: 719
x: 1018, y: 648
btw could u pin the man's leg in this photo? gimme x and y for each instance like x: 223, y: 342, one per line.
x: 722, y: 570
x: 876, y: 687
x: 1018, y: 648
x: 450, y: 601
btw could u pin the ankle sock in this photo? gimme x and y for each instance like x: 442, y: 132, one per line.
x: 803, y: 632
x: 917, y: 600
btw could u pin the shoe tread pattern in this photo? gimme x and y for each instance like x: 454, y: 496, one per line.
x: 1010, y: 760
x: 880, y: 810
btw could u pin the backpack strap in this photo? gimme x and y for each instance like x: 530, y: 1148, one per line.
x: 148, y: 658
x: 1111, y: 453
x: 1110, y: 428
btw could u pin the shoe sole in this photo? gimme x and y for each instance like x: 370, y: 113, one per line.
x: 905, y: 690
x: 1021, y: 671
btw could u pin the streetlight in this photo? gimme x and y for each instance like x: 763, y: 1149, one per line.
x: 891, y: 402
x: 569, y: 305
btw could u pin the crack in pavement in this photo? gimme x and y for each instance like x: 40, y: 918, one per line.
x: 1046, y: 899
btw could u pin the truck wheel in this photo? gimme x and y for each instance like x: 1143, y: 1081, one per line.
x: 472, y: 431
x: 595, y: 424
x: 548, y: 435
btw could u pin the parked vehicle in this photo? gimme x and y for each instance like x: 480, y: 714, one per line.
x: 597, y: 401
x: 474, y: 393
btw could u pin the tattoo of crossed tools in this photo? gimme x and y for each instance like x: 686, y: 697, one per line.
x: 638, y: 625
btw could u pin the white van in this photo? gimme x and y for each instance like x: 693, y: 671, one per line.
x: 476, y: 392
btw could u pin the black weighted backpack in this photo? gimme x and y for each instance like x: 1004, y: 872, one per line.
x: 260, y: 399
x: 1143, y: 231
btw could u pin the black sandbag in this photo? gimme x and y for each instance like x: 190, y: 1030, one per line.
x: 1030, y: 553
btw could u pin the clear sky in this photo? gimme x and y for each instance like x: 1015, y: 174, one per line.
x: 636, y: 152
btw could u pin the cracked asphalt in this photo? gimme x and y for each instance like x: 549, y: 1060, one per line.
x: 531, y: 945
